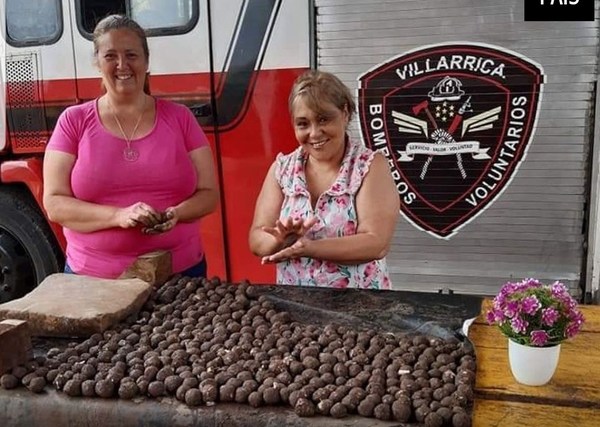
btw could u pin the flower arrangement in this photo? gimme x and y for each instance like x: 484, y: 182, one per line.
x: 534, y: 314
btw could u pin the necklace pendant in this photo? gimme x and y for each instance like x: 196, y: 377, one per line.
x: 130, y: 154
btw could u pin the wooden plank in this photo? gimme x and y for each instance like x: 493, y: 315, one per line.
x: 500, y: 413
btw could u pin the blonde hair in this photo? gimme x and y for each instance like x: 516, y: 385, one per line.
x: 122, y: 22
x: 320, y: 87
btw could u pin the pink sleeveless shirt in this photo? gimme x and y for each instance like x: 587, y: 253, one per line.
x: 162, y: 176
x: 336, y: 213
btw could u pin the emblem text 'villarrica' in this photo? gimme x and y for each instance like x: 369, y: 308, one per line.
x: 454, y: 122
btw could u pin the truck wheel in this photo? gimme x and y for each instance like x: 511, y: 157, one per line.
x: 28, y: 249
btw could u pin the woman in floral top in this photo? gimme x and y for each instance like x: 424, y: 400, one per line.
x: 327, y: 211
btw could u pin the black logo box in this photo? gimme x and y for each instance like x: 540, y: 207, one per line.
x: 559, y: 10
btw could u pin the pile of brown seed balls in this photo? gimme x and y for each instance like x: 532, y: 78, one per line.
x: 205, y: 342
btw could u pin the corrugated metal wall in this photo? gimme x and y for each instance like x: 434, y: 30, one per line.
x: 536, y: 227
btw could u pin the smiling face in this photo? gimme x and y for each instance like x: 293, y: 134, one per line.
x: 322, y: 132
x: 121, y: 59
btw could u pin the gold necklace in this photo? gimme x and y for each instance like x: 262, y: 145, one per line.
x: 130, y: 154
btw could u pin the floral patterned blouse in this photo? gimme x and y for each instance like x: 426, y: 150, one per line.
x: 336, y: 213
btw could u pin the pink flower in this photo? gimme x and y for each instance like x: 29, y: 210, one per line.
x: 549, y: 316
x: 572, y: 330
x: 349, y: 229
x: 518, y: 325
x: 340, y: 283
x: 511, y: 309
x: 530, y: 305
x: 539, y: 338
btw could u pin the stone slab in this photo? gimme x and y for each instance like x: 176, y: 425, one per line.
x: 15, y: 344
x: 70, y: 305
x: 153, y: 267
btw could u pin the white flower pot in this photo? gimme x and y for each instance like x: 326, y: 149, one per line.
x: 532, y: 365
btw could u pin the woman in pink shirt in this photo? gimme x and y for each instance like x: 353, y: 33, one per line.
x: 127, y: 174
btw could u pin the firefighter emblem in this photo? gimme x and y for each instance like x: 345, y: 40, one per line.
x: 454, y: 122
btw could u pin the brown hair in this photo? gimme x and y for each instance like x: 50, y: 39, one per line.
x: 320, y: 87
x: 120, y: 22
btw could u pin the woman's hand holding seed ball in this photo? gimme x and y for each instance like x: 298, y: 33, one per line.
x: 165, y: 221
x: 290, y: 236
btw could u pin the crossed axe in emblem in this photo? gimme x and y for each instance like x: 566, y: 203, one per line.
x: 441, y: 136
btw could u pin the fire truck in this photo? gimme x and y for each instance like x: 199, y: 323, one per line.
x: 488, y: 122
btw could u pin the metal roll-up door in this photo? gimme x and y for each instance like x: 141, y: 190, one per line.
x: 535, y: 227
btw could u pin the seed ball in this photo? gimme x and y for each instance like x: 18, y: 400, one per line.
x: 52, y: 374
x: 465, y: 390
x: 366, y: 407
x: 37, y: 384
x: 190, y: 382
x: 383, y: 412
x: 88, y: 370
x: 172, y: 383
x: 241, y: 395
x: 449, y: 388
x: 433, y: 419
x: 156, y: 388
x: 104, y: 388
x: 304, y: 408
x: 19, y: 372
x: 26, y: 379
x: 9, y: 381
x: 324, y: 407
x: 338, y: 410
x: 421, y: 412
x: 181, y: 391
x: 461, y: 419
x: 88, y: 388
x: 128, y: 390
x: 271, y: 396
x: 255, y: 399
x: 73, y: 388
x: 209, y: 391
x: 227, y: 392
x: 435, y: 405
x: 401, y: 410
x: 142, y: 384
x: 193, y: 397
x: 445, y: 413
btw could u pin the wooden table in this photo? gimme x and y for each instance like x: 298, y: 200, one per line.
x: 572, y: 398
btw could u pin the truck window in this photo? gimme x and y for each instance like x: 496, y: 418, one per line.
x: 157, y: 14
x: 158, y: 17
x: 33, y: 22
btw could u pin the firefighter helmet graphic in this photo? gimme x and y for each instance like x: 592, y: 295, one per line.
x: 447, y: 89
x: 454, y: 122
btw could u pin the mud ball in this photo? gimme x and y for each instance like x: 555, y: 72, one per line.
x: 366, y: 407
x: 72, y: 388
x: 382, y: 412
x: 181, y: 391
x: 461, y: 419
x: 128, y: 390
x: 9, y: 381
x: 88, y: 388
x: 193, y: 397
x: 37, y: 384
x: 401, y: 411
x: 338, y: 410
x: 104, y: 388
x: 156, y: 388
x: 324, y: 407
x: 433, y: 420
x: 172, y: 383
x: 304, y: 408
x: 255, y: 399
